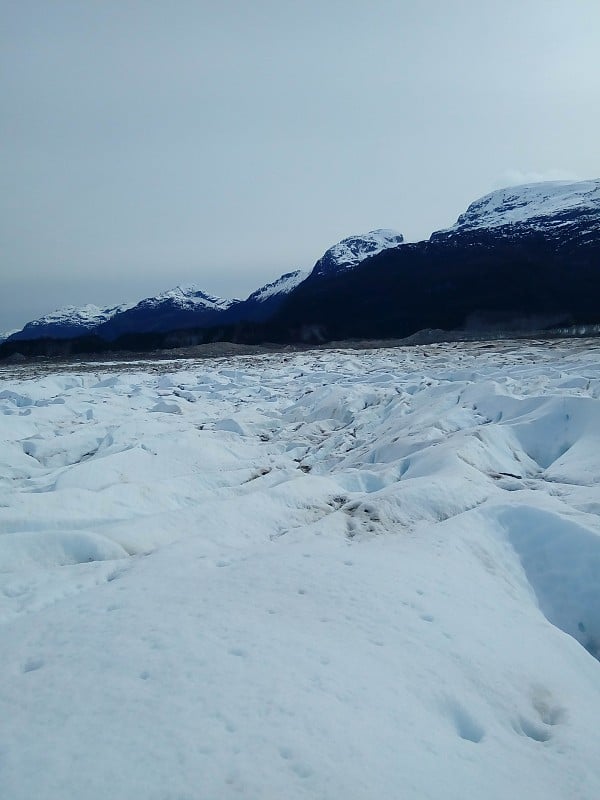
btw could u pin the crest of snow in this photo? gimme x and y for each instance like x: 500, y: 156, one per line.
x: 531, y: 203
x: 6, y: 334
x: 351, y: 251
x: 283, y: 285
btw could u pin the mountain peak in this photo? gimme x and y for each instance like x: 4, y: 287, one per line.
x: 281, y: 286
x: 348, y: 253
x: 189, y: 296
x: 535, y: 204
x: 68, y: 322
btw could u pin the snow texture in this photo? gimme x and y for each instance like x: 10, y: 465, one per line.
x: 332, y: 574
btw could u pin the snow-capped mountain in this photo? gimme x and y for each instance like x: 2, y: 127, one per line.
x: 522, y: 258
x: 282, y: 286
x: 187, y: 297
x: 348, y: 253
x: 539, y: 206
x: 178, y: 308
x: 68, y: 322
x: 186, y: 307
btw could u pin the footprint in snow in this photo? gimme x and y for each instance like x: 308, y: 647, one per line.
x: 526, y: 727
x: 466, y: 725
x: 546, y: 708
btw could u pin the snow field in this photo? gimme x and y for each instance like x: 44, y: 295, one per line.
x: 321, y: 575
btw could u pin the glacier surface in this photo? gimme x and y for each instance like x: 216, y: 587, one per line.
x: 358, y: 574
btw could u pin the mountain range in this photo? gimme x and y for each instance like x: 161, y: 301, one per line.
x: 188, y: 307
x: 521, y: 258
x: 524, y: 258
x: 178, y: 308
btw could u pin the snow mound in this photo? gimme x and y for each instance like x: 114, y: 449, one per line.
x: 24, y: 550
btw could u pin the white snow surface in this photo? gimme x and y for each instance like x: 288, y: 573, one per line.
x: 333, y: 574
x: 536, y: 204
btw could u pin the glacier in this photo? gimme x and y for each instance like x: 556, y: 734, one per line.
x: 324, y: 574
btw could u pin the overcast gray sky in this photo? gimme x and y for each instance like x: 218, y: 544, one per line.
x: 147, y: 143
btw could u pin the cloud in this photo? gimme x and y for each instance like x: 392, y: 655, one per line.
x: 516, y: 177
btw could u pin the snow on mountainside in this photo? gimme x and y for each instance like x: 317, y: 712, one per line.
x: 175, y: 309
x: 72, y: 321
x: 536, y: 205
x: 68, y: 321
x: 188, y: 306
x: 282, y: 286
x: 520, y: 258
x: 264, y: 302
x: 351, y: 251
x: 87, y: 316
x: 189, y: 297
x: 558, y: 224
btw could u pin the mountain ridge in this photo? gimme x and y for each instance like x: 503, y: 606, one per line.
x: 520, y: 258
x: 529, y: 204
x: 538, y: 270
x: 189, y: 306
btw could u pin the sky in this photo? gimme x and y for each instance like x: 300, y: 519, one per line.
x: 221, y: 143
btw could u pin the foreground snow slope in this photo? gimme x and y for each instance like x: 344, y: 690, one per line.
x: 325, y: 575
